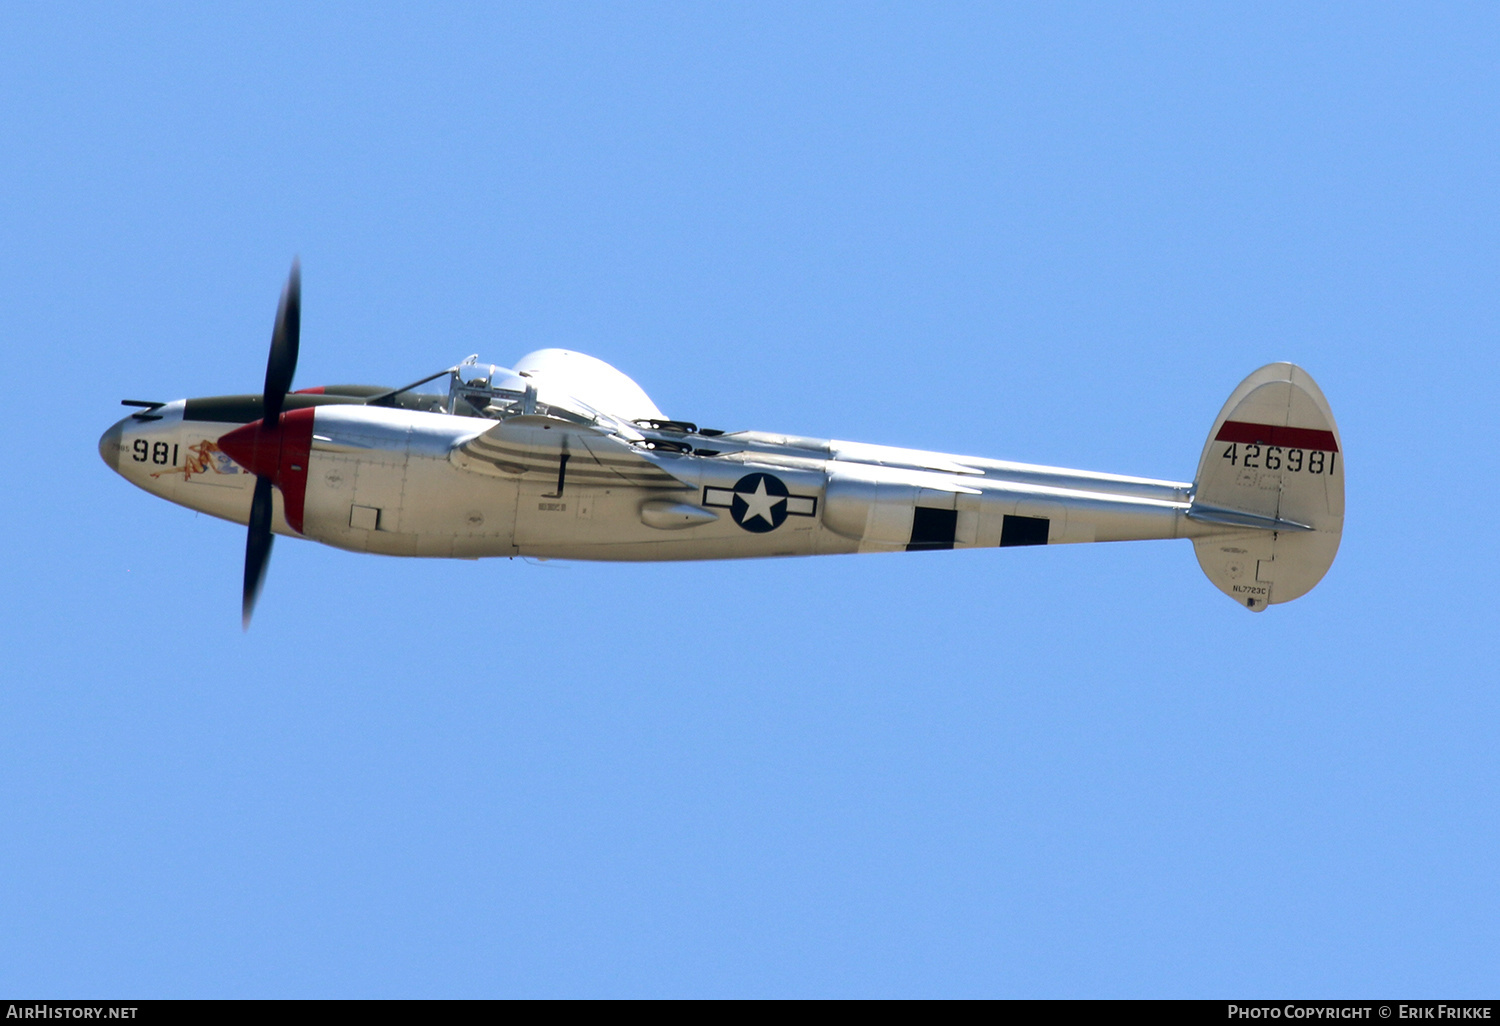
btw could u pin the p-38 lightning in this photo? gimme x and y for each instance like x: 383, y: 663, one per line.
x: 563, y: 456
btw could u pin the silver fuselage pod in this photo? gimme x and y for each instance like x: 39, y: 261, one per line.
x: 403, y: 482
x: 431, y: 484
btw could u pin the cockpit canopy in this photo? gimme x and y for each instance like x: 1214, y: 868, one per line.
x: 548, y: 382
x: 476, y: 389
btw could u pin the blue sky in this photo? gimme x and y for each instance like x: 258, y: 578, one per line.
x: 1054, y: 233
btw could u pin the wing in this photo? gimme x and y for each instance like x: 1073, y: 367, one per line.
x: 536, y: 445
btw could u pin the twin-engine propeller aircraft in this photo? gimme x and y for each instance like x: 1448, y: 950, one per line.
x: 563, y: 456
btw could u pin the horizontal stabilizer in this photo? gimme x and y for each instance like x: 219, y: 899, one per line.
x: 1233, y: 518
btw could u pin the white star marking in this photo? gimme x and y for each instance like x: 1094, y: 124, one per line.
x: 758, y: 503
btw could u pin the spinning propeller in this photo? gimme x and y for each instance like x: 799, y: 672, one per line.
x: 275, y: 448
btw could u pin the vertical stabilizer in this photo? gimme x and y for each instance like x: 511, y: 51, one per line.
x: 1270, y: 489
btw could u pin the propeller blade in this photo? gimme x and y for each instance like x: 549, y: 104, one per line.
x: 257, y: 546
x: 285, y: 338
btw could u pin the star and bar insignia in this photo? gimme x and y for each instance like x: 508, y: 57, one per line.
x: 760, y: 502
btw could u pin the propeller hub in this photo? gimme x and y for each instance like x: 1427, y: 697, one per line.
x: 278, y: 452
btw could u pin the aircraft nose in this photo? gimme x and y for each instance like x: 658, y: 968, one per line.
x: 109, y: 445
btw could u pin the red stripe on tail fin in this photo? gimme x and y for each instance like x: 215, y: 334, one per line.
x: 1269, y: 434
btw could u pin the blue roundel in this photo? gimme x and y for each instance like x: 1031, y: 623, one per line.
x: 759, y: 502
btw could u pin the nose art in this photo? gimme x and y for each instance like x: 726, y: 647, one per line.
x: 109, y: 446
